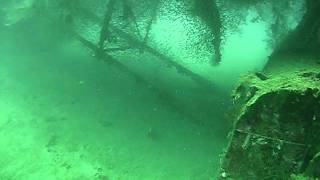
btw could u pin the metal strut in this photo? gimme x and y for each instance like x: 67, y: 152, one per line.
x: 137, y: 44
x: 162, y: 94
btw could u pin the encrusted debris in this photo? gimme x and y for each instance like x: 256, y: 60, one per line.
x: 277, y: 132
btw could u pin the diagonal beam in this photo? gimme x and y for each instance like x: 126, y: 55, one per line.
x: 136, y: 43
x: 164, y: 96
x: 104, y: 33
x: 150, y: 23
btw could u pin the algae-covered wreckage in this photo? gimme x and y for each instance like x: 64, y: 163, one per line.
x: 276, y: 135
x: 276, y: 132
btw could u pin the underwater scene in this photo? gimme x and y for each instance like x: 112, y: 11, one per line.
x: 159, y: 89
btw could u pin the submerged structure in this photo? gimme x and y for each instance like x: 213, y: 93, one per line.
x: 276, y: 132
x: 276, y: 135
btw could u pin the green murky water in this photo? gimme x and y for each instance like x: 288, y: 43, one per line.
x: 66, y: 114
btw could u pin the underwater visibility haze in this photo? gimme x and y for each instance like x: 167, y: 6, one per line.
x: 159, y: 89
